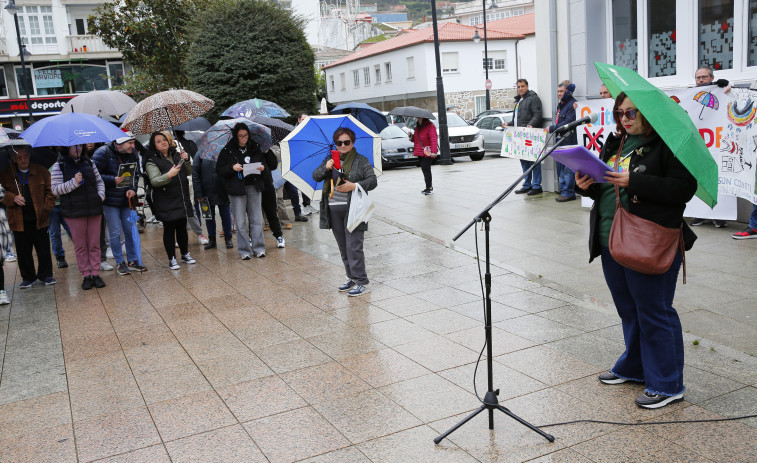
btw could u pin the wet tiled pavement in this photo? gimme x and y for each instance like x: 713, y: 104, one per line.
x: 262, y: 360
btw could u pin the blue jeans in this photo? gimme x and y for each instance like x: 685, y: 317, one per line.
x: 532, y: 180
x: 567, y: 181
x: 117, y: 219
x: 56, y: 220
x: 753, y: 219
x: 225, y: 212
x: 651, y: 327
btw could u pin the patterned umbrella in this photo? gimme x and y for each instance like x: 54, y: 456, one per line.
x: 215, y: 138
x: 279, y: 129
x: 100, y: 103
x: 255, y: 107
x: 165, y: 110
x: 707, y: 100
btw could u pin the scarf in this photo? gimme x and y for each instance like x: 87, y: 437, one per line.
x: 347, y: 161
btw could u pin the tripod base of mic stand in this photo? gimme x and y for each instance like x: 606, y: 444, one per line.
x: 491, y: 403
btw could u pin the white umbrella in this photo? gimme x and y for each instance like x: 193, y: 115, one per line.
x: 324, y: 108
x: 100, y: 103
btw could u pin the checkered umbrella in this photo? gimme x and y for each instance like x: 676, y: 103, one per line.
x: 165, y: 110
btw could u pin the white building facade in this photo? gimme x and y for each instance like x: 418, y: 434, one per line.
x: 472, y: 13
x: 64, y: 59
x: 407, y: 75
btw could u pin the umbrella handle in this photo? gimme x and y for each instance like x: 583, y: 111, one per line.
x: 331, y: 193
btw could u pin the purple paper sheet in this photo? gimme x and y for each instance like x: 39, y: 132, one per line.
x: 578, y: 158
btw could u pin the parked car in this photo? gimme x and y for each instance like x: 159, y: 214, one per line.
x: 492, y: 131
x: 396, y: 148
x: 464, y: 139
x: 399, y: 121
x: 488, y: 112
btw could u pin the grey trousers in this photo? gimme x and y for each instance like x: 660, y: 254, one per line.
x: 195, y: 225
x: 350, y: 245
x: 246, y: 207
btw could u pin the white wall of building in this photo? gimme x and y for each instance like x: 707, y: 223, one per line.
x: 469, y: 77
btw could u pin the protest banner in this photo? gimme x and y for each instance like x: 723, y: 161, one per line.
x: 523, y: 143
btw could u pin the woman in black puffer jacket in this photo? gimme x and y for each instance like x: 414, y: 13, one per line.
x: 170, y: 194
x: 245, y: 191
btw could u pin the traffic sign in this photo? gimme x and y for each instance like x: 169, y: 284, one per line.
x: 488, y: 84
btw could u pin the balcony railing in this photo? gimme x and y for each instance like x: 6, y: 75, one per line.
x: 87, y: 44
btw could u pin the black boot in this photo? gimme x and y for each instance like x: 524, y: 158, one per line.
x: 211, y: 242
x: 229, y: 245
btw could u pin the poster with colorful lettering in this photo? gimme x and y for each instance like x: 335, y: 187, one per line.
x: 523, y: 143
x: 726, y: 123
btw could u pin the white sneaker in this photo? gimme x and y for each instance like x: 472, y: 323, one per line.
x: 105, y: 266
x: 173, y: 265
x: 203, y: 239
x: 186, y: 258
x: 10, y: 257
x: 109, y: 253
x: 280, y: 241
x: 312, y: 209
x: 151, y: 220
x: 4, y: 299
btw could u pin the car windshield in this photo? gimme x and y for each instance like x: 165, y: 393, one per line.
x: 453, y: 120
x: 392, y: 131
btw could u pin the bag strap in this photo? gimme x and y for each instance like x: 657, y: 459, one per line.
x: 617, y: 164
x: 683, y: 253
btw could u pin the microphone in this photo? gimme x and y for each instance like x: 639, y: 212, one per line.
x: 590, y: 119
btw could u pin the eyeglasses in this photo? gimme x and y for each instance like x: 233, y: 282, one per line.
x: 345, y: 142
x: 629, y: 113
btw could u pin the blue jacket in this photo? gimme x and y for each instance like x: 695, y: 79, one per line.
x: 565, y: 115
x: 107, y: 159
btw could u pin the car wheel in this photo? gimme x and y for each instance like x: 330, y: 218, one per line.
x: 477, y: 157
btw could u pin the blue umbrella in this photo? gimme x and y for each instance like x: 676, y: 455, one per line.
x: 133, y: 219
x: 255, y: 107
x: 308, y: 145
x: 368, y: 115
x: 70, y: 129
x: 215, y: 138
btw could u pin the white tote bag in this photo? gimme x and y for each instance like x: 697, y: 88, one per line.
x: 361, y: 208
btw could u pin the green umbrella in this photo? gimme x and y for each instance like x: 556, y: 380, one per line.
x: 671, y: 122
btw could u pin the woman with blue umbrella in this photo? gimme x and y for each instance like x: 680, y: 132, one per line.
x: 347, y: 168
x: 245, y: 186
x: 77, y: 182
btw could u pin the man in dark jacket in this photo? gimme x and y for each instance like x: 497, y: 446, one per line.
x: 108, y: 158
x: 28, y: 201
x: 565, y: 114
x: 528, y: 114
x: 207, y: 184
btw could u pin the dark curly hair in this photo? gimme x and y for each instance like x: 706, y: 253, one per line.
x: 239, y: 126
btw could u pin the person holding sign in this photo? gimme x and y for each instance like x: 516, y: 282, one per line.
x: 168, y: 170
x: 242, y: 167
x: 528, y: 113
x: 113, y: 160
x: 77, y: 182
x: 655, y: 186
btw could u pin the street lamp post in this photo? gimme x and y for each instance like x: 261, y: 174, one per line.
x: 446, y: 156
x: 477, y: 38
x: 13, y: 9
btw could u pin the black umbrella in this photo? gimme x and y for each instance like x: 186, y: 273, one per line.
x: 412, y: 111
x: 279, y: 129
x: 198, y: 124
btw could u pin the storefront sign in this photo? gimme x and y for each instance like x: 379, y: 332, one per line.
x: 41, y: 105
x: 48, y: 78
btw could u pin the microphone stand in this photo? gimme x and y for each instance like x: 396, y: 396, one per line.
x: 490, y: 399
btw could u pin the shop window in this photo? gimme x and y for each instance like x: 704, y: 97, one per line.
x: 716, y: 34
x: 661, y: 15
x: 624, y: 36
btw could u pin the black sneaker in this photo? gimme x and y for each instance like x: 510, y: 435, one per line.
x: 300, y: 218
x: 229, y: 244
x: 719, y: 223
x: 62, y: 262
x: 609, y: 378
x: 647, y: 400
x: 347, y: 286
x: 698, y: 222
x: 535, y: 191
x: 135, y: 267
x: 522, y: 190
x: 87, y: 284
x: 97, y: 281
x: 123, y: 269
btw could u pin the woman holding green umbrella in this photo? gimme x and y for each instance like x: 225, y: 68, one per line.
x: 652, y: 184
